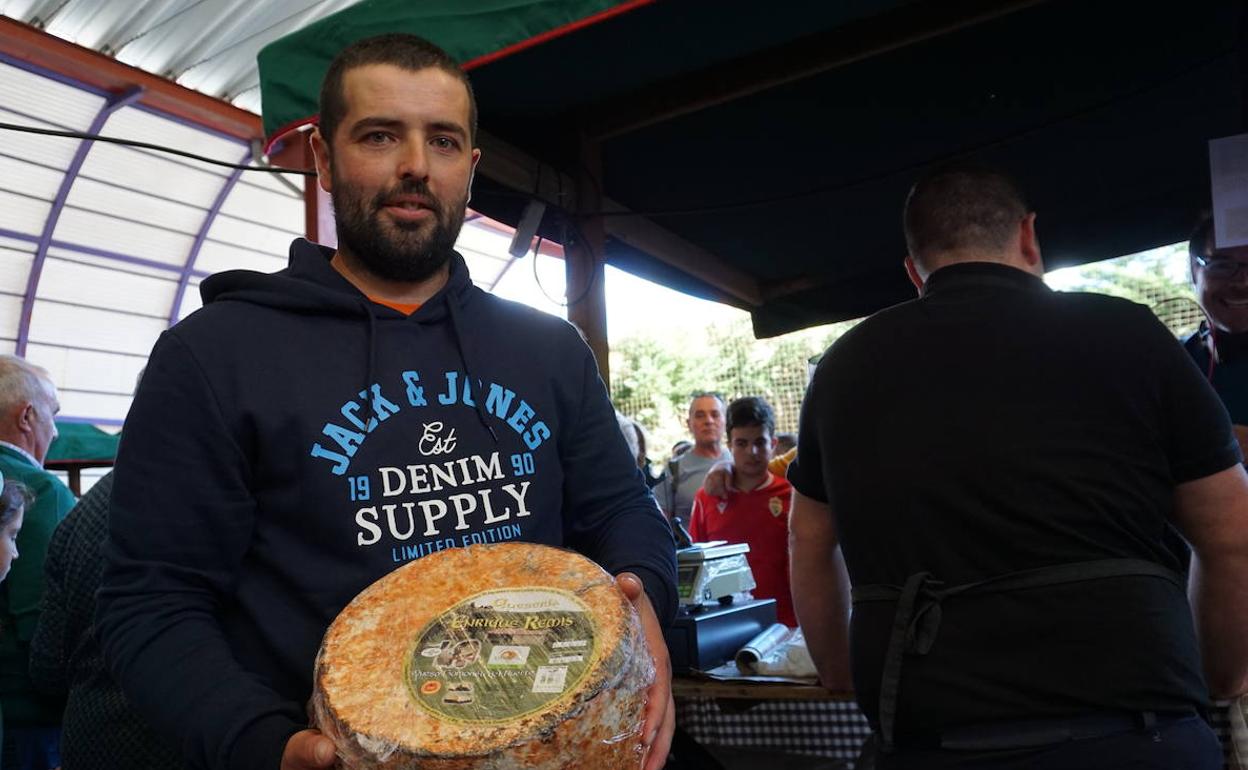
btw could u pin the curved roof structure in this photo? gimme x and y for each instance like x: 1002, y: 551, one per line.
x: 103, y: 246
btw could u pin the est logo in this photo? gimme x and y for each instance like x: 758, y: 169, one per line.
x: 430, y: 687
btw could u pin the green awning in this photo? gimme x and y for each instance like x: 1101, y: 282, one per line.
x: 80, y: 443
x: 473, y: 33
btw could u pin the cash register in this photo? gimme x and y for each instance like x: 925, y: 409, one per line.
x: 716, y: 615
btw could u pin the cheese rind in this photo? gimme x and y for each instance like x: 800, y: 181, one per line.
x: 490, y: 657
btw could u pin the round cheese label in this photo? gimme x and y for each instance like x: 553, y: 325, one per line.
x: 501, y: 655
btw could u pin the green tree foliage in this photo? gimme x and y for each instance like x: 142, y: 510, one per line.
x: 654, y: 378
x: 1156, y: 278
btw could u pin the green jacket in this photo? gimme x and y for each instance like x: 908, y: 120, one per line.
x: 21, y: 591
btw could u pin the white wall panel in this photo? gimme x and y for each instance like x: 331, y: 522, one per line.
x: 90, y: 229
x: 110, y: 200
x: 105, y: 288
x: 272, y: 181
x: 142, y: 171
x: 94, y: 405
x: 88, y: 370
x: 97, y: 329
x: 10, y: 315
x: 25, y: 215
x: 51, y: 150
x: 257, y: 204
x: 191, y: 301
x: 132, y: 123
x: 56, y: 102
x: 215, y: 257
x: 29, y: 179
x: 236, y: 232
x: 15, y: 269
x: 168, y: 274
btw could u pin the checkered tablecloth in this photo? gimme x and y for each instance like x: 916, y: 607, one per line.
x: 1220, y: 721
x: 824, y: 728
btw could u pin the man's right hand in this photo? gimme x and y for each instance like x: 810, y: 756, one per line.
x: 308, y: 750
x: 718, y: 481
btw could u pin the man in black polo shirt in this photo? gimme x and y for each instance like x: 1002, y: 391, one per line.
x: 998, y: 463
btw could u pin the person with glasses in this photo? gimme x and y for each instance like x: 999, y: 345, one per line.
x: 1220, y: 346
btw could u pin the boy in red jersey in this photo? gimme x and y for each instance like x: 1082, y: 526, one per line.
x: 757, y: 512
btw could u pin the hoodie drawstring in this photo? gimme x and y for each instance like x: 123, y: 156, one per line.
x: 366, y: 393
x: 463, y: 356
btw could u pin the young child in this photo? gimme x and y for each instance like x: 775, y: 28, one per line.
x: 13, y: 501
x: 756, y: 510
x: 14, y: 497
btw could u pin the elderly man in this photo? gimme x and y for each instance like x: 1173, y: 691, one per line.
x: 998, y: 463
x: 260, y: 483
x: 686, y: 471
x: 28, y: 406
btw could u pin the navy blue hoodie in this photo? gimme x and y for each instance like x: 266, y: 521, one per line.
x: 292, y: 442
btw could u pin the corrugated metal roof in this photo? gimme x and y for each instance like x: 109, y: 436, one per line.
x: 207, y: 45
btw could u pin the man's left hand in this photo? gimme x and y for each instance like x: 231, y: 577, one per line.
x: 660, y: 720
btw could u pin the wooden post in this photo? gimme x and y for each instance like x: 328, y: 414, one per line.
x: 584, y: 262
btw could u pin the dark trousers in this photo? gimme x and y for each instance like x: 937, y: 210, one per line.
x: 1184, y: 744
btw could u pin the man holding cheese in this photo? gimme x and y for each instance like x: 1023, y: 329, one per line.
x: 309, y: 431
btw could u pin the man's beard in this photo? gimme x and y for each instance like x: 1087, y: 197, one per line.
x: 395, y: 251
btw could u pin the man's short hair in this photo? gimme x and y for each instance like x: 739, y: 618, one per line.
x: 399, y: 49
x: 750, y: 411
x: 962, y: 207
x: 705, y: 394
x: 1199, y: 242
x: 22, y: 382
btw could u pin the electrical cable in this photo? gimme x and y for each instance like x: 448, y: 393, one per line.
x: 154, y: 147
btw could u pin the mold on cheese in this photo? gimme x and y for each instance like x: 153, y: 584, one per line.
x: 491, y: 657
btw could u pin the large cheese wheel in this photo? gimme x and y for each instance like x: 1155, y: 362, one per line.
x: 491, y: 657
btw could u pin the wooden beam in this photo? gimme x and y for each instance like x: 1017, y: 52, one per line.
x: 584, y: 266
x: 512, y: 167
x: 92, y: 68
x: 805, y: 57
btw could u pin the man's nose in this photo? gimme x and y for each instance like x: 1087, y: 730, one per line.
x: 414, y: 162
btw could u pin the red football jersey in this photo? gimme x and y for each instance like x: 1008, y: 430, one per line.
x: 761, y: 518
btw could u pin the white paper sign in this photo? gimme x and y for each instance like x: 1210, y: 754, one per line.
x: 1228, y: 174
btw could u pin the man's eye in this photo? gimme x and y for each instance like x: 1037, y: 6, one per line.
x: 445, y: 143
x: 376, y: 137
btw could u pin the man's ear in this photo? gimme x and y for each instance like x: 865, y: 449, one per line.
x: 472, y: 173
x: 320, y: 152
x: 916, y: 277
x: 1028, y: 243
x: 25, y: 417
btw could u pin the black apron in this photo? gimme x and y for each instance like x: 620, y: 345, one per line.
x: 916, y: 621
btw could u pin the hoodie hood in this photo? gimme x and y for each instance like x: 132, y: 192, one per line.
x: 311, y: 285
